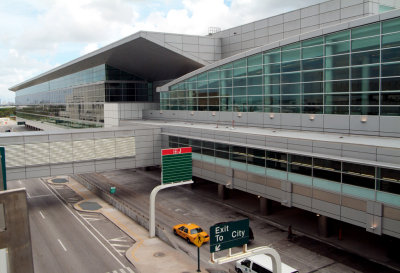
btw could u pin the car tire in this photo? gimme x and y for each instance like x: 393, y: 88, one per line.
x: 188, y: 241
x: 175, y: 232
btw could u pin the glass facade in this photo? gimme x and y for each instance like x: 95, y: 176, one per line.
x: 296, y: 168
x: 351, y: 72
x: 77, y: 98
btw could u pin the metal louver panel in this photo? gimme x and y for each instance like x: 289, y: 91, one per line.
x: 37, y: 154
x: 61, y: 152
x: 105, y: 148
x: 83, y: 150
x: 125, y: 146
x: 15, y: 155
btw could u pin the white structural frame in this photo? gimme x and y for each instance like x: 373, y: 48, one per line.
x: 152, y: 219
x: 275, y: 257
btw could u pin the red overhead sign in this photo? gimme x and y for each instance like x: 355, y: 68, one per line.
x: 175, y: 151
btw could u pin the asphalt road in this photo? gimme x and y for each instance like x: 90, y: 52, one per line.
x: 62, y: 241
x: 183, y: 205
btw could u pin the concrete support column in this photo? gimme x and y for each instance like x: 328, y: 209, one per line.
x: 222, y: 194
x: 323, y: 226
x: 265, y: 206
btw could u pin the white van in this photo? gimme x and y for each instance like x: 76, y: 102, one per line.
x: 260, y: 264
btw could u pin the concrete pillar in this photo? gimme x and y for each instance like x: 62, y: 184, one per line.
x: 222, y: 194
x: 323, y: 226
x: 265, y: 206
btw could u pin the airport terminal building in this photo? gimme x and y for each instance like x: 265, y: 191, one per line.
x: 300, y: 108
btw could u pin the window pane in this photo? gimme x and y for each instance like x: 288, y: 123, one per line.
x: 272, y: 58
x: 226, y: 74
x: 389, y: 187
x: 272, y: 79
x: 391, y: 40
x: 290, y: 88
x: 291, y: 55
x: 291, y: 46
x: 390, y: 111
x: 337, y: 48
x: 272, y: 68
x: 254, y: 70
x: 365, y: 58
x: 391, y: 26
x: 290, y: 99
x: 365, y: 31
x: 272, y: 89
x: 239, y: 82
x: 312, y: 52
x: 365, y: 85
x: 254, y: 60
x: 240, y: 63
x: 291, y: 66
x: 390, y: 99
x: 370, y: 71
x: 358, y: 181
x: 336, y: 86
x: 290, y: 77
x: 313, y: 100
x: 301, y: 160
x: 254, y: 90
x: 365, y: 99
x: 365, y: 44
x: 337, y: 61
x: 338, y: 36
x: 337, y: 99
x: 336, y: 74
x: 255, y: 100
x: 312, y: 76
x: 239, y: 72
x: 312, y: 64
x: 272, y: 100
x: 311, y: 42
x: 364, y: 110
x: 390, y: 70
x: 313, y: 87
x: 358, y: 169
x: 390, y: 84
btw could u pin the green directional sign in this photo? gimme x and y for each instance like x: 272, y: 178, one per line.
x: 229, y: 234
x: 176, y: 165
x: 3, y: 181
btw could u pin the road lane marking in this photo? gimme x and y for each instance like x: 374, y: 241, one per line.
x: 79, y: 220
x: 115, y: 271
x: 127, y: 246
x: 27, y: 193
x: 62, y: 244
x: 19, y: 181
x: 129, y: 269
x: 37, y: 196
x: 122, y: 270
x: 119, y: 239
x: 41, y: 214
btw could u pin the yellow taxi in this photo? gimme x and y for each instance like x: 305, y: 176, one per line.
x: 189, y: 232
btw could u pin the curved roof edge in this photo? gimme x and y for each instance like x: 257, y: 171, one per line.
x: 300, y: 37
x: 100, y: 56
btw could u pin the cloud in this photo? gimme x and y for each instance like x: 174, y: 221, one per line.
x: 89, y: 48
x: 46, y: 32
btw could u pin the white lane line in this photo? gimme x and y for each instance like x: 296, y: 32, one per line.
x: 37, y: 196
x: 121, y: 245
x: 115, y: 271
x: 119, y: 239
x: 19, y: 181
x: 27, y: 193
x: 41, y: 214
x: 122, y: 270
x: 79, y: 220
x: 129, y: 269
x: 62, y: 244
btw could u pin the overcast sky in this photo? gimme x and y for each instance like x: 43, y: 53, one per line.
x: 37, y: 35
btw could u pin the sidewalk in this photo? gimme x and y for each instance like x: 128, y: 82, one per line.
x: 147, y: 254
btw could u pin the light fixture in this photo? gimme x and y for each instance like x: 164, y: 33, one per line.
x: 213, y: 113
x: 192, y: 113
x: 364, y: 119
x: 239, y: 114
x: 312, y: 117
x: 317, y: 215
x: 271, y: 115
x: 161, y: 111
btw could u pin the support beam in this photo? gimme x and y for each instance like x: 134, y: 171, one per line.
x: 222, y: 193
x: 323, y: 226
x: 152, y: 219
x: 265, y: 206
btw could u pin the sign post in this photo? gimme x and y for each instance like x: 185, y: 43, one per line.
x: 228, y: 235
x: 176, y: 170
x: 3, y: 176
x: 198, y: 242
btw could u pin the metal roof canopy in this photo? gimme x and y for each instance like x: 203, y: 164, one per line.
x: 150, y: 60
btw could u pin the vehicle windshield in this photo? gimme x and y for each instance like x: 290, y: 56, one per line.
x: 196, y: 230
